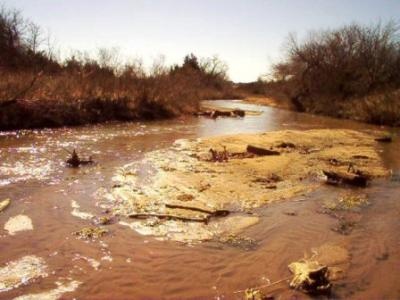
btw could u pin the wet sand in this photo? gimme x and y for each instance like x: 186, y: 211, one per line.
x: 185, y: 179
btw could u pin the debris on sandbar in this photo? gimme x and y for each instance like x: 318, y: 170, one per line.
x: 243, y: 172
x: 315, y: 275
x: 91, y: 233
x: 74, y: 161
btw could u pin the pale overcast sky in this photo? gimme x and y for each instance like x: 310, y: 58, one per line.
x: 248, y: 35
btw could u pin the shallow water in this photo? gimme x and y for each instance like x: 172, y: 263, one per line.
x: 34, y: 177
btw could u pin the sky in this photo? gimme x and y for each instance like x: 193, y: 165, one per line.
x: 248, y: 35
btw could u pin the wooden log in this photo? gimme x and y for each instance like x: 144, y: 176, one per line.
x: 215, y: 213
x: 168, y: 217
x: 261, y: 151
x: 239, y: 113
x: 74, y: 161
x: 206, y: 113
x: 346, y: 178
x: 219, y: 156
x: 86, y: 162
x: 384, y: 139
x: 219, y: 113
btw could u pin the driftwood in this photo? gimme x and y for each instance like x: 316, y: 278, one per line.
x: 261, y: 151
x: 239, y: 113
x: 241, y: 155
x: 74, y: 161
x: 234, y: 113
x: 384, y: 139
x: 310, y: 277
x: 357, y: 179
x: 220, y: 113
x: 286, y: 145
x: 169, y: 217
x: 205, y: 220
x: 215, y: 213
x: 251, y: 151
x: 219, y: 156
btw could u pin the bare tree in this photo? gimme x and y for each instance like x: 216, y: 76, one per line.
x: 351, y: 61
x: 109, y: 58
x: 34, y: 37
x: 214, y: 67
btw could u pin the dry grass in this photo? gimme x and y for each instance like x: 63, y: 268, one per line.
x: 380, y: 108
x: 39, y: 90
x: 69, y: 97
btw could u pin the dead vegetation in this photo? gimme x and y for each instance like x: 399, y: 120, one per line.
x: 74, y: 161
x: 355, y: 179
x: 238, y: 241
x: 207, y: 214
x: 251, y: 152
x: 89, y: 233
x: 315, y: 275
x: 310, y: 277
x: 214, y: 114
x: 347, y: 210
x: 39, y: 90
x: 349, y: 72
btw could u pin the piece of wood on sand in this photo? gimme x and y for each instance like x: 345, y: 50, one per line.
x: 168, y: 217
x: 261, y: 151
x: 213, y: 213
x: 346, y: 178
x: 384, y: 139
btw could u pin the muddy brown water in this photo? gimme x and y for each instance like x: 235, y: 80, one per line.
x: 132, y: 266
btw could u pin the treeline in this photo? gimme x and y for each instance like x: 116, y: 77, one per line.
x: 351, y: 72
x: 39, y: 90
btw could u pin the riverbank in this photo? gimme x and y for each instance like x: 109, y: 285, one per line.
x: 378, y: 108
x: 37, y: 114
x: 25, y: 114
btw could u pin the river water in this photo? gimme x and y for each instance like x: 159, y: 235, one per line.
x: 33, y: 175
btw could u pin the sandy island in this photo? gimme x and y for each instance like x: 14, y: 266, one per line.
x: 187, y: 187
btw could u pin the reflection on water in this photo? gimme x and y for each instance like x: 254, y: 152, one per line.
x: 130, y: 266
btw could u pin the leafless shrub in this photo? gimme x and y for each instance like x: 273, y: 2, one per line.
x: 333, y: 67
x: 37, y: 89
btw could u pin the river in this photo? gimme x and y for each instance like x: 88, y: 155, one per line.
x: 131, y: 266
